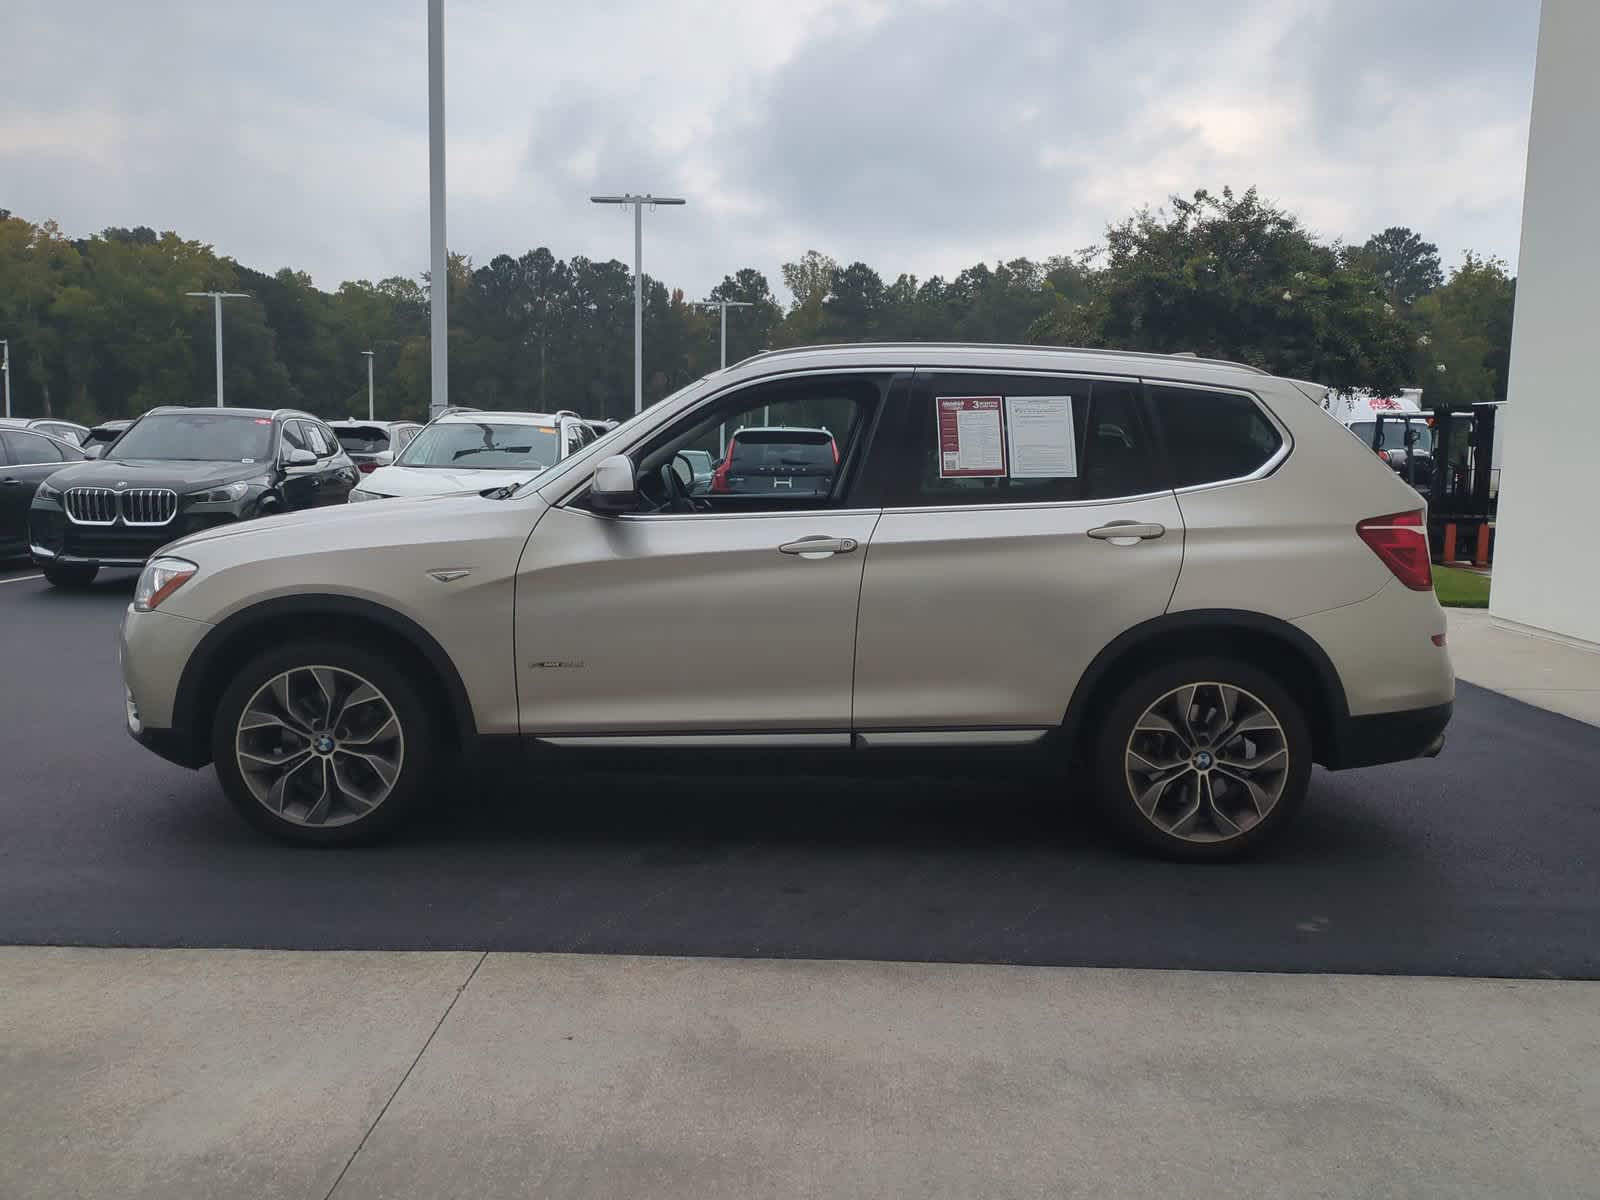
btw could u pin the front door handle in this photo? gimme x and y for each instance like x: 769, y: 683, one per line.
x: 819, y: 546
x: 1127, y: 533
x: 10, y: 482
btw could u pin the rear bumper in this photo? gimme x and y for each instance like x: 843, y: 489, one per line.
x: 1389, y: 737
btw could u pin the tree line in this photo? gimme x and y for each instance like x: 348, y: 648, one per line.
x: 100, y: 326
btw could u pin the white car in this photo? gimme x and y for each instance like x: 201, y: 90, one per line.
x: 472, y: 451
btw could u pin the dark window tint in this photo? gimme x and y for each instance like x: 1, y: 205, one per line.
x: 1112, y: 444
x: 197, y: 436
x: 294, y: 436
x: 23, y: 448
x: 1213, y: 436
x: 782, y: 448
x: 368, y: 439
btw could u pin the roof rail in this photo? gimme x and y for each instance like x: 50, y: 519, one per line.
x: 1187, y: 355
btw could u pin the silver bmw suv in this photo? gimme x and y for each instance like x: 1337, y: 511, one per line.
x: 1174, y: 583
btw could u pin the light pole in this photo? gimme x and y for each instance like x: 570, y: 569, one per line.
x: 638, y: 203
x: 370, y: 409
x: 5, y: 369
x: 216, y: 300
x: 723, y: 306
x: 439, y: 276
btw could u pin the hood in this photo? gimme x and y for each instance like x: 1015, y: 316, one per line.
x: 155, y: 473
x: 438, y: 481
x: 330, y: 521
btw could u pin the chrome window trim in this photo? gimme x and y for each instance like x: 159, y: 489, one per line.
x: 710, y: 397
x: 908, y: 509
x: 808, y: 513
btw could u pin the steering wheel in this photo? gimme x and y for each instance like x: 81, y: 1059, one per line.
x: 677, y: 492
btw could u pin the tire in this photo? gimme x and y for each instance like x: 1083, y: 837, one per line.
x: 1193, y: 794
x: 70, y: 575
x: 355, y: 780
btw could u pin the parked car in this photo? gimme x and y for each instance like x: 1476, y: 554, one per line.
x: 764, y: 460
x: 27, y: 458
x: 468, y: 450
x: 176, y: 471
x: 69, y: 431
x: 1172, y: 581
x: 98, y: 440
x: 373, y: 444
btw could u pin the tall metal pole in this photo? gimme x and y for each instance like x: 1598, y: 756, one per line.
x: 216, y: 305
x: 723, y: 306
x: 5, y: 369
x: 438, y: 281
x: 638, y: 309
x: 723, y: 359
x: 371, y: 412
x: 216, y: 302
x: 638, y: 203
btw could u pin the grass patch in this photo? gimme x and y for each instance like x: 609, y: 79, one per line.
x: 1460, y: 589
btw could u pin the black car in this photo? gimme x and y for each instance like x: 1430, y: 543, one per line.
x: 27, y: 459
x: 176, y: 471
x: 98, y: 440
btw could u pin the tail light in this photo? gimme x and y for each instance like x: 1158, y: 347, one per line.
x: 1401, y: 540
x: 1383, y: 456
x: 719, y: 477
x: 366, y: 468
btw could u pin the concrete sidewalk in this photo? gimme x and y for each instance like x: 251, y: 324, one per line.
x: 266, y: 1074
x: 1548, y: 672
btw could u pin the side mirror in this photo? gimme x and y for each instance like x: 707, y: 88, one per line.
x: 614, y: 488
x: 299, y: 458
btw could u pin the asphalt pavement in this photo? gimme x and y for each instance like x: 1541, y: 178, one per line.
x: 1480, y: 862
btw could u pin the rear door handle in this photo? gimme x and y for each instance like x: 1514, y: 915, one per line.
x: 1127, y: 533
x: 819, y: 546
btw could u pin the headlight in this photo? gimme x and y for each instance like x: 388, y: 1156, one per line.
x: 45, y: 492
x: 159, y: 579
x: 357, y: 494
x: 221, y: 495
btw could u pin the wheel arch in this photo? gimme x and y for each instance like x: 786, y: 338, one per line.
x: 1290, y: 655
x: 237, y: 639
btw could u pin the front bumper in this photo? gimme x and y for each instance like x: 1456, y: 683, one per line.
x: 52, y: 539
x: 155, y: 648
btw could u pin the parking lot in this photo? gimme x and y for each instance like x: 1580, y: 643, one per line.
x: 1478, y: 863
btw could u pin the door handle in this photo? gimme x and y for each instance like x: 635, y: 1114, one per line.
x: 9, y: 482
x: 819, y: 546
x: 1127, y: 533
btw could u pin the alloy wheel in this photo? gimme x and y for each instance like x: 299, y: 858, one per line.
x: 1207, y: 762
x: 319, y: 746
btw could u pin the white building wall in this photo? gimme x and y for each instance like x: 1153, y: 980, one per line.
x: 1547, y: 549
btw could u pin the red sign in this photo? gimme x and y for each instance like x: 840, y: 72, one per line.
x: 972, y: 441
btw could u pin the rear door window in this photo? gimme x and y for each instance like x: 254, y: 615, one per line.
x: 1004, y: 439
x: 25, y: 448
x: 1213, y: 437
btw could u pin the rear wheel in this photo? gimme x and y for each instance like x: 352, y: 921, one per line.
x: 323, y: 744
x: 70, y: 575
x: 1203, y: 759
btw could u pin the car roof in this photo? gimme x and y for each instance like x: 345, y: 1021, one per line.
x: 30, y: 422
x: 781, y: 429
x: 478, y: 416
x: 996, y: 357
x: 230, y: 410
x: 358, y: 423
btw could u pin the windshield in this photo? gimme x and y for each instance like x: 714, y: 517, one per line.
x: 1394, y: 435
x: 484, y: 445
x: 366, y: 440
x: 198, y: 437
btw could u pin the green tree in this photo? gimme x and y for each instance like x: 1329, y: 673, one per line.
x: 1464, y: 352
x: 1406, y: 266
x: 1236, y: 277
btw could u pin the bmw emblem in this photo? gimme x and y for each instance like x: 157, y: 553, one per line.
x: 323, y: 744
x: 122, y: 483
x: 1203, y: 760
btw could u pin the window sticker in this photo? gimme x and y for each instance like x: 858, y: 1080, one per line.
x: 1039, y: 437
x: 972, y: 441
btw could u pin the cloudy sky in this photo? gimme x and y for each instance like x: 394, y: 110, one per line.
x: 917, y: 135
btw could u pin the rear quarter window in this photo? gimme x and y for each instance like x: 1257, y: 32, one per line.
x: 1212, y: 437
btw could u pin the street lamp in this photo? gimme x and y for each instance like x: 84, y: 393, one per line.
x: 724, y: 305
x: 638, y: 203
x: 216, y: 299
x: 370, y: 409
x: 5, y: 369
x: 439, y: 276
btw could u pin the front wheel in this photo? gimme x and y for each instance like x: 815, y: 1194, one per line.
x: 1204, y: 759
x: 70, y: 575
x: 320, y: 743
